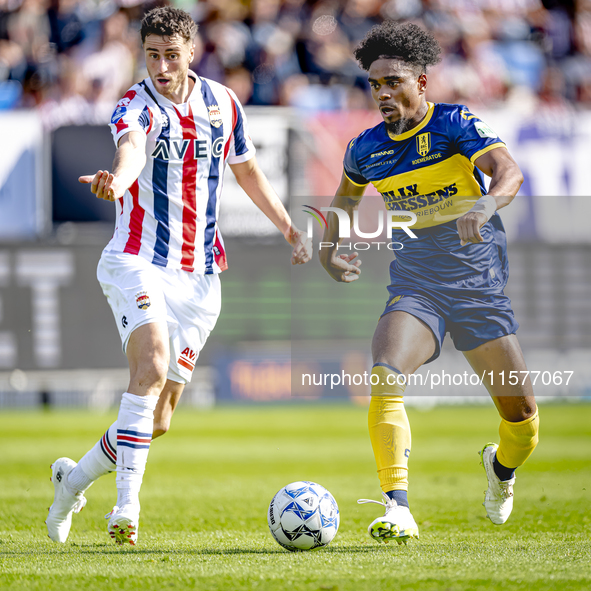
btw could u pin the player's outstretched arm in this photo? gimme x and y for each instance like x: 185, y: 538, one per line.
x: 255, y: 184
x: 341, y: 267
x: 505, y: 182
x: 130, y: 159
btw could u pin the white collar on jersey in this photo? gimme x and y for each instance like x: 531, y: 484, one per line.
x: 164, y: 101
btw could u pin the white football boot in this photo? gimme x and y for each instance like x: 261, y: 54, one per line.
x: 124, y: 524
x: 498, y: 499
x: 396, y: 524
x: 65, y: 503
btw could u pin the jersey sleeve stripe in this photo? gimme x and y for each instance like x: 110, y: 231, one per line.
x: 477, y: 155
x: 240, y: 146
x: 212, y: 184
x: 353, y: 182
x: 136, y: 222
x: 189, y: 191
x: 234, y: 119
x: 151, y: 120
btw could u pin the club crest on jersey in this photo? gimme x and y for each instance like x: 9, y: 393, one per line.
x: 215, y: 115
x: 424, y: 143
x: 142, y: 300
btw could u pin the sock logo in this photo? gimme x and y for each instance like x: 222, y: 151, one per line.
x: 188, y: 358
x: 58, y: 476
x: 407, y: 453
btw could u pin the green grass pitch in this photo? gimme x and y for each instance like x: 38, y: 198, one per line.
x: 210, y: 479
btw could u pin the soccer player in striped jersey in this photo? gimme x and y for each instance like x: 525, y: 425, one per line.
x: 428, y: 160
x: 174, y: 133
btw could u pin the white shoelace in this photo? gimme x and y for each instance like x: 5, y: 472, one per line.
x: 388, y: 504
x: 80, y: 504
x: 112, y: 512
x: 506, y: 490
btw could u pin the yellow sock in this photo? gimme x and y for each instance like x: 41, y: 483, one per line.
x: 389, y: 429
x: 518, y: 441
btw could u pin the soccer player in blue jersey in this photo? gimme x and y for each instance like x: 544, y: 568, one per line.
x: 428, y: 160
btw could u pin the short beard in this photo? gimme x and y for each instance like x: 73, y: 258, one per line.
x: 399, y: 127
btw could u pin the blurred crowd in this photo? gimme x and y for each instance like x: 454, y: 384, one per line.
x: 73, y: 59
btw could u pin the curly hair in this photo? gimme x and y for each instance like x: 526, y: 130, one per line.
x: 405, y: 41
x: 166, y: 21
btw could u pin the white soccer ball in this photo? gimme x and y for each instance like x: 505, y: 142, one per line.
x: 303, y: 516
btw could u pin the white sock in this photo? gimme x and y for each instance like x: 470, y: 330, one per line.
x: 97, y: 462
x: 134, y: 434
x: 126, y: 496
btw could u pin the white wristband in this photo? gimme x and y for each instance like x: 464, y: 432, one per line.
x: 486, y: 205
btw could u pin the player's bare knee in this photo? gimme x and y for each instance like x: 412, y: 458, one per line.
x: 160, y: 428
x: 151, y: 373
x: 521, y: 413
x: 528, y: 411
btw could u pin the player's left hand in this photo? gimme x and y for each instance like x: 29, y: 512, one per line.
x: 469, y: 227
x: 302, y: 246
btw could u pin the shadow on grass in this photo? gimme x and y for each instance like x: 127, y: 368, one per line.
x: 106, y: 549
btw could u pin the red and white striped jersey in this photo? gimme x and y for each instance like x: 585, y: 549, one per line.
x: 169, y: 215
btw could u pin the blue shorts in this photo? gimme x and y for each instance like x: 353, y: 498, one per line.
x: 471, y: 321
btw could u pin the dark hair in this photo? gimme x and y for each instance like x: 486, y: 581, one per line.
x: 166, y: 21
x: 404, y: 41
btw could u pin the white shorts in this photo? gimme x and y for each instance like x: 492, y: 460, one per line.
x: 140, y: 293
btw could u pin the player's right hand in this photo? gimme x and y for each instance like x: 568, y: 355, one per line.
x: 342, y: 268
x: 104, y: 185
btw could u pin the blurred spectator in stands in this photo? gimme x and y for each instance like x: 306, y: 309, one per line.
x: 358, y: 17
x: 110, y: 70
x: 240, y: 81
x: 577, y: 67
x: 28, y: 26
x: 13, y: 68
x: 224, y: 37
x: 299, y: 52
x: 66, y: 25
x: 552, y: 94
x: 271, y: 54
x: 65, y: 103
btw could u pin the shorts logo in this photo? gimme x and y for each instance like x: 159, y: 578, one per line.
x: 187, y: 359
x: 394, y: 300
x: 215, y: 115
x: 124, y: 321
x: 142, y: 300
x: 424, y: 143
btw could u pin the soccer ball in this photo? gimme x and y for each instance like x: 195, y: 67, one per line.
x: 302, y: 516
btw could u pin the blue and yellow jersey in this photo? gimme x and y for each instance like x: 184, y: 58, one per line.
x: 430, y: 171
